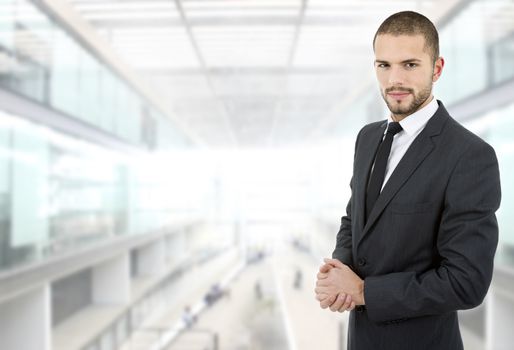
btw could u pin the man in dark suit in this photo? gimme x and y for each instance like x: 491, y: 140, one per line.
x: 419, y: 236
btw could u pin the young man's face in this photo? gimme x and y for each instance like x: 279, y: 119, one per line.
x: 405, y: 72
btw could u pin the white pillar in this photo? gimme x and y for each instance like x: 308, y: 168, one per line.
x: 111, y: 281
x: 177, y: 249
x: 499, y: 319
x: 151, y: 258
x: 182, y: 243
x: 25, y: 321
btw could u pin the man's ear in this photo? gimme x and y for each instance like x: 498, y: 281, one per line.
x: 438, y: 69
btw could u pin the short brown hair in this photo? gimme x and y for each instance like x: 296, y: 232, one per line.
x: 411, y: 23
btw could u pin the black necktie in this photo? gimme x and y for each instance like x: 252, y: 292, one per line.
x: 378, y: 174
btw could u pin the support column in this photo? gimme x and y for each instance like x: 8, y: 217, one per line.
x: 25, y: 321
x: 499, y: 319
x: 111, y: 281
x: 151, y: 259
x: 500, y: 309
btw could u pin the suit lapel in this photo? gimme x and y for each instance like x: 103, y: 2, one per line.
x: 368, y: 151
x: 417, y: 152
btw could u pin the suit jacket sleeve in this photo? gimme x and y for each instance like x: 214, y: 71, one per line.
x: 343, y: 249
x: 466, y: 243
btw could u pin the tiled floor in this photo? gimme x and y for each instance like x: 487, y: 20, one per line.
x: 285, y: 318
x: 282, y: 316
x: 189, y: 289
x: 241, y: 321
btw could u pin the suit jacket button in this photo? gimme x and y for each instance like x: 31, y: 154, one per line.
x: 360, y: 308
x: 362, y: 262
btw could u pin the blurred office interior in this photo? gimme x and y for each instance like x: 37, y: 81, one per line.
x: 172, y: 172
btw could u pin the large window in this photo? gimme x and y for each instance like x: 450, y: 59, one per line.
x: 478, y: 47
x: 499, y: 132
x: 497, y: 128
x: 42, y: 61
x: 58, y: 193
x: 502, y: 56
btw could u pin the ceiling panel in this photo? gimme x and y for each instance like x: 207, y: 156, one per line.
x: 250, y: 73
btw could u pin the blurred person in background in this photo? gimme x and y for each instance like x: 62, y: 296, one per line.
x: 298, y: 279
x: 257, y: 288
x: 419, y: 236
x: 188, y: 317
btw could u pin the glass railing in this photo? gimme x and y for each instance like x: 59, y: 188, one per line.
x: 501, y: 53
x: 59, y: 193
x: 478, y: 47
x: 497, y: 128
x: 40, y: 60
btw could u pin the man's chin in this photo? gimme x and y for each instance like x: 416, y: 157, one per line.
x: 399, y: 110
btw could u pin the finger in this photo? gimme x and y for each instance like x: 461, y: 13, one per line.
x: 325, y: 268
x: 322, y: 283
x: 345, y: 304
x: 321, y: 296
x: 333, y: 262
x: 321, y: 290
x: 321, y: 275
x: 352, y: 306
x: 327, y: 301
x: 340, y: 300
x: 348, y: 301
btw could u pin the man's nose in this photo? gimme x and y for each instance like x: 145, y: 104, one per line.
x: 396, y: 76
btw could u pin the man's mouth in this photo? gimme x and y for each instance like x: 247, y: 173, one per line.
x: 398, y: 94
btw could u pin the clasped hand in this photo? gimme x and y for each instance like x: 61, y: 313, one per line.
x: 338, y: 287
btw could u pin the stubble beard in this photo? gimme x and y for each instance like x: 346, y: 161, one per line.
x: 401, y: 111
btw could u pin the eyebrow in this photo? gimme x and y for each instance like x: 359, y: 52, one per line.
x: 404, y: 61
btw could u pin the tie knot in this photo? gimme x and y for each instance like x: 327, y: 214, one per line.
x: 394, y: 128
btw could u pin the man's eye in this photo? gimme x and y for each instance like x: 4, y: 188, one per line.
x: 382, y: 65
x: 411, y: 65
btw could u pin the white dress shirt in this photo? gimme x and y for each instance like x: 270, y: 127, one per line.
x: 412, y: 125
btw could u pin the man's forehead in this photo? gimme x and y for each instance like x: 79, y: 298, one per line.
x: 400, y: 47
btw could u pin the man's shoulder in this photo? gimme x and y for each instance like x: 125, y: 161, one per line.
x: 373, y: 127
x: 459, y: 141
x: 369, y: 130
x: 458, y: 133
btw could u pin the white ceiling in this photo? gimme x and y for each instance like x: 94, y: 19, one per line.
x: 250, y: 73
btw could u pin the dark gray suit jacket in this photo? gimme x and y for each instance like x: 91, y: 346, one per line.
x: 428, y: 247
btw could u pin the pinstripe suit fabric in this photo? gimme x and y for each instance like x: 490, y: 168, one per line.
x: 428, y: 246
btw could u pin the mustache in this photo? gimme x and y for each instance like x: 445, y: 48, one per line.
x: 398, y: 89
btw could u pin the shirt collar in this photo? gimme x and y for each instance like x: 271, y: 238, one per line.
x: 417, y: 120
